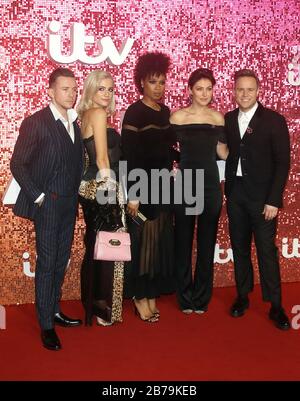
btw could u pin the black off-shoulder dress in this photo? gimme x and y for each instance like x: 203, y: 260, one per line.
x: 198, y: 144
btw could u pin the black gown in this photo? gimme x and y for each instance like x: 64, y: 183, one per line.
x: 147, y: 143
x: 101, y: 282
x: 198, y: 151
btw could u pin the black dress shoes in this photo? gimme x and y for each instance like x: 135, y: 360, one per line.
x: 62, y: 320
x: 279, y: 318
x: 239, y: 306
x: 50, y: 340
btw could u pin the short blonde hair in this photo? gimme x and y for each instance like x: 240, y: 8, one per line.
x: 90, y: 87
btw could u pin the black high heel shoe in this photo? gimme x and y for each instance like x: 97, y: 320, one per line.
x: 101, y: 322
x: 88, y: 321
x: 151, y: 319
x: 103, y: 315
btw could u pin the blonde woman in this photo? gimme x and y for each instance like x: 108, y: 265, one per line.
x: 101, y: 284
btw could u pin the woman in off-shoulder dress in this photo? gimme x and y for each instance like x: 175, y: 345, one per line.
x: 200, y: 134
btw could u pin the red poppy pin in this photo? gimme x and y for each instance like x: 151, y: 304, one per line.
x: 249, y: 130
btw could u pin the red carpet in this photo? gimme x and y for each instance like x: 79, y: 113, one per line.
x: 212, y: 346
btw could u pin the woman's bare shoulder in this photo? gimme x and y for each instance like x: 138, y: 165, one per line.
x: 95, y: 112
x: 217, y: 117
x: 179, y: 116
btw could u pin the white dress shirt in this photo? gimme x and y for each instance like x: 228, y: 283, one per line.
x: 244, y: 119
x: 72, y: 116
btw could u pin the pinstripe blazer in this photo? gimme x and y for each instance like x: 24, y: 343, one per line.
x: 36, y: 159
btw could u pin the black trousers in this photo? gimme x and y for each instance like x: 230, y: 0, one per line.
x: 246, y: 220
x: 54, y: 227
x: 196, y: 293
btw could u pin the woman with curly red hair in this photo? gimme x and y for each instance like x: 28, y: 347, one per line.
x: 147, y: 142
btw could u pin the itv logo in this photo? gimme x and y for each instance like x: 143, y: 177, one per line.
x: 78, y: 41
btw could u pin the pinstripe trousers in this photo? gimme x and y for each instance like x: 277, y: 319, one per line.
x: 54, y: 227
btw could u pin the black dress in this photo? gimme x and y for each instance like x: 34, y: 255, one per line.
x: 147, y: 143
x: 101, y: 282
x: 197, y: 151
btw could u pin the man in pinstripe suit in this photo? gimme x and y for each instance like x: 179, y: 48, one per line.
x: 47, y: 164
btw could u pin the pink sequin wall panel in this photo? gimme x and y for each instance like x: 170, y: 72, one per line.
x: 223, y: 35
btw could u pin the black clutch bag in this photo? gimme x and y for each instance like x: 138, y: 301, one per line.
x: 139, y: 219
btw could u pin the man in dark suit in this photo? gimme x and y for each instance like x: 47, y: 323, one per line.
x: 47, y: 164
x: 256, y: 172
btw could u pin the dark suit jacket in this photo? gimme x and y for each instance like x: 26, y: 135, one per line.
x: 264, y: 152
x: 37, y: 158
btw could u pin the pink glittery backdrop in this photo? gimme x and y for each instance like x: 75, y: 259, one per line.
x: 223, y: 35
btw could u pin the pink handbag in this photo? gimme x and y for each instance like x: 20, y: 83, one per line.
x: 113, y: 246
